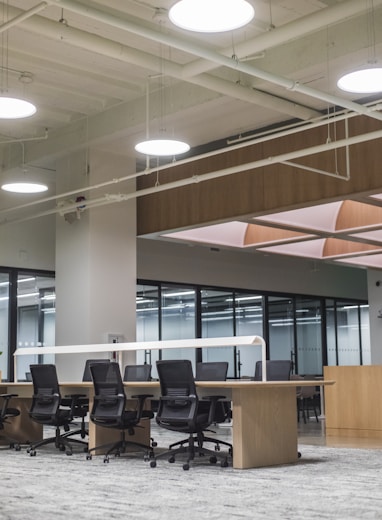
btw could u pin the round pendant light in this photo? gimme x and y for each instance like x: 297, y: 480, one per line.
x: 162, y: 147
x: 363, y: 81
x: 211, y: 16
x: 24, y: 187
x: 14, y: 108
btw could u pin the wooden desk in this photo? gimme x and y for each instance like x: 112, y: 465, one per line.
x: 264, y: 417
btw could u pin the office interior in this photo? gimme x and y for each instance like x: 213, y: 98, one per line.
x: 278, y: 199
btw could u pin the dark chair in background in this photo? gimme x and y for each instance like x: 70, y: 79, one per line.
x: 140, y: 373
x: 137, y: 373
x: 87, y: 376
x: 309, y: 401
x: 109, y: 410
x: 215, y: 371
x: 179, y: 411
x: 277, y: 370
x: 47, y: 409
x: 6, y: 415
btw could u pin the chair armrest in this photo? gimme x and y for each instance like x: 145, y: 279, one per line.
x: 8, y: 396
x: 141, y: 402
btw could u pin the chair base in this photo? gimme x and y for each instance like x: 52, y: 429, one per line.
x: 119, y: 447
x: 194, y: 446
x: 59, y: 440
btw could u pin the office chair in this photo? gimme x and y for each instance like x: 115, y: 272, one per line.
x: 215, y: 371
x: 137, y: 373
x: 140, y: 373
x: 80, y: 402
x: 47, y: 409
x: 7, y: 413
x: 109, y: 410
x: 179, y: 411
x: 277, y: 370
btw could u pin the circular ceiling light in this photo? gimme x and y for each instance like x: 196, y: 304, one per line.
x: 162, y: 147
x: 14, y: 108
x: 24, y: 187
x: 211, y: 16
x: 364, y: 81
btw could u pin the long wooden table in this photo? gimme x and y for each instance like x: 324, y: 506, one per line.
x: 264, y: 416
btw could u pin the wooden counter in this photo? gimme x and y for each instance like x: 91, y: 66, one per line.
x: 352, y: 405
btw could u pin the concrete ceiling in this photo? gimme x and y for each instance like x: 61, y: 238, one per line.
x: 91, y: 63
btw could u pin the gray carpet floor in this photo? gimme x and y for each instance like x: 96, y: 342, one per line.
x: 326, y: 483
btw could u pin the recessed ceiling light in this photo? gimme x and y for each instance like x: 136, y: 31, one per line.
x: 211, y: 15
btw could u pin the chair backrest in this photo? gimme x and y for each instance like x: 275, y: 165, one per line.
x: 211, y: 371
x: 137, y: 373
x: 110, y: 399
x: 46, y: 390
x: 176, y: 377
x: 277, y: 370
x: 87, y: 374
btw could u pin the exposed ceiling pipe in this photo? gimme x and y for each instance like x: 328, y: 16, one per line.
x: 268, y: 161
x: 322, y: 121
x: 213, y: 56
x: 290, y: 31
x: 115, y: 50
x: 24, y: 16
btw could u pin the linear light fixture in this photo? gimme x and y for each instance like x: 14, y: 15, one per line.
x: 210, y: 16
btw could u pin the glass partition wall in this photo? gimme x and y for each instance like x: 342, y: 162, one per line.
x: 310, y: 331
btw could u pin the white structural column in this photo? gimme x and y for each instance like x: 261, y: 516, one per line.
x: 95, y: 261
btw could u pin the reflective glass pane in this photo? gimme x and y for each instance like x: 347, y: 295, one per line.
x: 249, y: 322
x: 348, y: 334
x: 217, y: 321
x: 309, y: 336
x: 281, y: 327
x: 147, y: 322
x: 331, y: 333
x: 178, y: 319
x: 4, y: 320
x: 36, y: 308
x: 365, y: 335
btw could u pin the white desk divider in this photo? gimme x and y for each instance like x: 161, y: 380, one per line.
x: 119, y: 348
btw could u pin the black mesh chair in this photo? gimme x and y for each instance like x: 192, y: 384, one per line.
x: 47, y: 409
x: 215, y: 371
x: 109, y: 410
x: 179, y: 411
x: 277, y: 370
x: 137, y: 373
x: 6, y: 415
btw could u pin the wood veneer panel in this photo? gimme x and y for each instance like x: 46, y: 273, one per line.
x: 352, y: 405
x: 266, y: 189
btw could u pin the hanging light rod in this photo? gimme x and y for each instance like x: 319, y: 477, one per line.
x: 211, y: 16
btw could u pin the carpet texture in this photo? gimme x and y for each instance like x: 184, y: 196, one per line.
x: 326, y: 483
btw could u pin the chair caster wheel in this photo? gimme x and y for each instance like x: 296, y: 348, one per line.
x: 153, y: 464
x: 89, y: 456
x: 213, y: 460
x: 154, y: 444
x: 106, y: 460
x: 17, y: 447
x: 186, y: 467
x: 299, y: 455
x: 217, y: 447
x: 171, y: 460
x: 32, y: 453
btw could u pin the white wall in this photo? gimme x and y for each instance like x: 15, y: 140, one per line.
x: 174, y: 262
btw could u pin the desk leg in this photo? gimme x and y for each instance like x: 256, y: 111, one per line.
x: 264, y: 427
